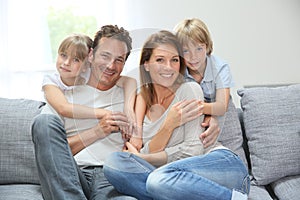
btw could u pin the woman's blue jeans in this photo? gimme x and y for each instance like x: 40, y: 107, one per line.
x: 211, y: 176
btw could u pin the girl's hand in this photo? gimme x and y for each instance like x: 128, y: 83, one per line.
x: 100, y: 112
x: 131, y: 119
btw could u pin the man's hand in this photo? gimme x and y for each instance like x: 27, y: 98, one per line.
x: 112, y: 122
x: 210, y: 135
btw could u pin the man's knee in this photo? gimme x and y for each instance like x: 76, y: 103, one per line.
x: 41, y: 125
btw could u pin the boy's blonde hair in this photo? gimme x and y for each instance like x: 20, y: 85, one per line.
x: 195, y: 31
x: 79, y: 44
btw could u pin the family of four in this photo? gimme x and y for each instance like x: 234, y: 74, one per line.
x: 97, y: 139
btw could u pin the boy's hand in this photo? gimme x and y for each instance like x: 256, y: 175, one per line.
x: 210, y: 135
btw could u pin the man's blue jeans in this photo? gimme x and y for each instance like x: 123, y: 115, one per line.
x: 212, y: 176
x: 60, y: 176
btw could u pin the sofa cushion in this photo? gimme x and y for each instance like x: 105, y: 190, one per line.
x: 259, y: 193
x: 287, y: 188
x: 20, y: 192
x: 272, y: 126
x: 17, y: 161
x: 231, y: 132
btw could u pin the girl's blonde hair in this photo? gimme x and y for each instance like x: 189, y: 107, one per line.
x: 195, y: 31
x: 79, y: 44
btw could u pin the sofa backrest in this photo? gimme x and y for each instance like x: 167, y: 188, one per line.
x: 231, y: 133
x: 17, y: 159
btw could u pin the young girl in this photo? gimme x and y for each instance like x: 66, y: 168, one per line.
x: 212, y: 73
x: 73, y: 69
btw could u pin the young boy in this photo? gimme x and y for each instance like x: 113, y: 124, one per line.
x: 212, y: 73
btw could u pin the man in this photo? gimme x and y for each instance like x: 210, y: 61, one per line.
x: 63, y: 176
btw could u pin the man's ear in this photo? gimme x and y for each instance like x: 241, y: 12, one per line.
x: 85, y: 64
x: 91, y: 56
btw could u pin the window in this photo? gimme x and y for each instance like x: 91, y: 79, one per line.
x: 31, y: 32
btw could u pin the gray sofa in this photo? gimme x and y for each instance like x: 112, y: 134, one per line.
x: 264, y: 132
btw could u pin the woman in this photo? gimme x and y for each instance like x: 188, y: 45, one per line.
x: 163, y: 92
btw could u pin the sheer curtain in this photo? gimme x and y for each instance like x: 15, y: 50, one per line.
x: 25, y: 48
x: 3, y: 52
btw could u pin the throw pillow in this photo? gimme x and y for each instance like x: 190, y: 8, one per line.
x: 272, y: 126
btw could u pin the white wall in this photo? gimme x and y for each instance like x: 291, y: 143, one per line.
x: 259, y: 39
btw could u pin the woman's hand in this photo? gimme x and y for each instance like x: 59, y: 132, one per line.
x: 137, y: 142
x: 184, y: 111
x: 130, y: 148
